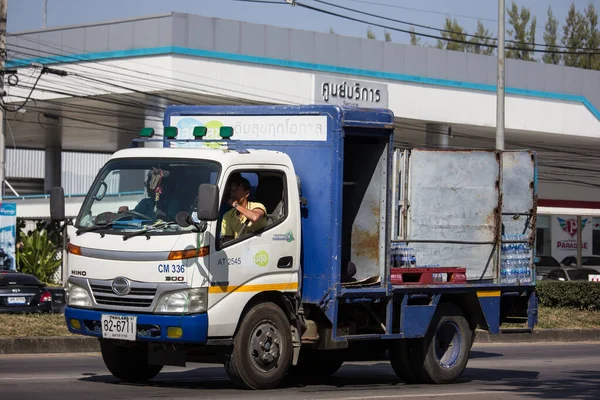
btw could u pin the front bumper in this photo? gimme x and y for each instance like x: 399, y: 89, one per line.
x: 150, y: 327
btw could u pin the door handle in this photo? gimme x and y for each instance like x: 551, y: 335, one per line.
x: 285, y: 262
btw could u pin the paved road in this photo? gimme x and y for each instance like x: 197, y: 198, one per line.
x: 555, y: 371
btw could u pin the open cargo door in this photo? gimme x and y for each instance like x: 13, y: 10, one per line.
x: 450, y: 211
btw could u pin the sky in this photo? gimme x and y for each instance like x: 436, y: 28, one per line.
x: 25, y: 15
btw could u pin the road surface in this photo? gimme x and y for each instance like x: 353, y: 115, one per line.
x: 495, y: 371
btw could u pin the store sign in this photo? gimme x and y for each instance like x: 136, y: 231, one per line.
x: 564, y: 236
x: 347, y: 92
x: 8, y: 236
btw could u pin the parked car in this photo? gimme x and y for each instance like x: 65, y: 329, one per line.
x: 543, y: 265
x: 592, y: 262
x: 571, y: 274
x: 24, y: 293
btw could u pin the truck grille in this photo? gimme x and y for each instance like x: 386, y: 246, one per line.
x: 140, y: 297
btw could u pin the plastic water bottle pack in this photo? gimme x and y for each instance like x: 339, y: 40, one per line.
x: 515, y: 260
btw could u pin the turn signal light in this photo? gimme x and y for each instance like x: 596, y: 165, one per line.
x: 75, y: 324
x: 174, y: 332
x: 71, y: 248
x: 189, y: 253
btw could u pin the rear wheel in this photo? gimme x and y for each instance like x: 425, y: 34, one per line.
x: 129, y: 364
x: 262, y: 348
x: 442, y: 355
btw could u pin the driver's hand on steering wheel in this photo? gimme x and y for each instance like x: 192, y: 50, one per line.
x: 122, y: 209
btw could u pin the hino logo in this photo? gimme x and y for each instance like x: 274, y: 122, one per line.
x: 121, y: 286
x: 16, y: 290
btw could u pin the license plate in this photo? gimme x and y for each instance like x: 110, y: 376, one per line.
x: 122, y: 327
x: 16, y: 300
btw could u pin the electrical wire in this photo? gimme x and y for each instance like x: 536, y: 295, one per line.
x: 445, y: 30
x: 331, y: 13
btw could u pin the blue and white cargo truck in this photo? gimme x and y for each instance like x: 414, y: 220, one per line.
x: 367, y: 249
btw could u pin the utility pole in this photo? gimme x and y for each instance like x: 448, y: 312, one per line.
x: 500, y: 84
x: 3, y: 10
x: 45, y: 15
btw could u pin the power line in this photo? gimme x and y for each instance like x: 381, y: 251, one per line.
x: 443, y: 30
x: 327, y: 12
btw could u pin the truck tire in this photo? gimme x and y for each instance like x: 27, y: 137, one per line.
x: 442, y: 355
x: 262, y: 348
x: 317, y: 364
x: 400, y: 355
x: 129, y: 364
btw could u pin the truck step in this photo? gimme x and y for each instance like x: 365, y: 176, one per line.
x: 428, y: 276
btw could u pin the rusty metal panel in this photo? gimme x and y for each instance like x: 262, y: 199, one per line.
x: 452, y: 209
x: 519, y: 193
x: 368, y: 239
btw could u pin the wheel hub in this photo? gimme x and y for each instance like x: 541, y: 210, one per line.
x: 447, y: 344
x: 265, y: 346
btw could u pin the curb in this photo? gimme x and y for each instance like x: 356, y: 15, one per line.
x: 66, y: 344
x: 49, y: 344
x: 540, y: 336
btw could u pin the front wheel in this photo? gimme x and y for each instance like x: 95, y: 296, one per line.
x: 129, y: 364
x: 262, y: 348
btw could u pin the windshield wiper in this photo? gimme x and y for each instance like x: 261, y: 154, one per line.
x: 145, y: 230
x: 99, y: 227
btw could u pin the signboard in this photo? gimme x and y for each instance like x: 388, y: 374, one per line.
x: 564, y: 236
x: 8, y: 236
x: 348, y: 92
x: 254, y: 127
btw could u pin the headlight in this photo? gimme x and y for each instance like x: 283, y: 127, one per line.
x: 183, y: 301
x: 77, y: 296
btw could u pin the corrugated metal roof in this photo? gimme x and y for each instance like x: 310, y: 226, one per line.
x: 22, y: 163
x: 78, y: 169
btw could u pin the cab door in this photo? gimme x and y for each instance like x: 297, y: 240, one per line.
x: 267, y: 259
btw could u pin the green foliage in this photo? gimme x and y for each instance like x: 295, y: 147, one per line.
x: 371, y: 34
x: 388, y: 36
x: 551, y: 39
x: 582, y: 295
x: 481, y: 41
x: 38, y: 251
x: 522, y: 32
x: 414, y: 39
x: 574, y: 36
x: 453, y: 31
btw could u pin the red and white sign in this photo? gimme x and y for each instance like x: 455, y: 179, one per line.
x: 564, y: 236
x: 594, y: 278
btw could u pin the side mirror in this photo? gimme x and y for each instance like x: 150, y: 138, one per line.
x: 207, y: 206
x: 57, y: 204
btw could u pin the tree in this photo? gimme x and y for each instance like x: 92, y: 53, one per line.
x: 370, y: 34
x: 331, y: 30
x: 593, y: 38
x: 482, y: 41
x: 574, y: 37
x: 388, y: 36
x: 522, y: 32
x: 414, y: 39
x: 453, y: 31
x: 551, y: 38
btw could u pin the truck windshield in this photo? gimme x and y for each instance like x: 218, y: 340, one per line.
x: 132, y: 194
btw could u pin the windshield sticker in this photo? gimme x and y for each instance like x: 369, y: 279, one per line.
x: 284, y: 237
x: 261, y: 258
